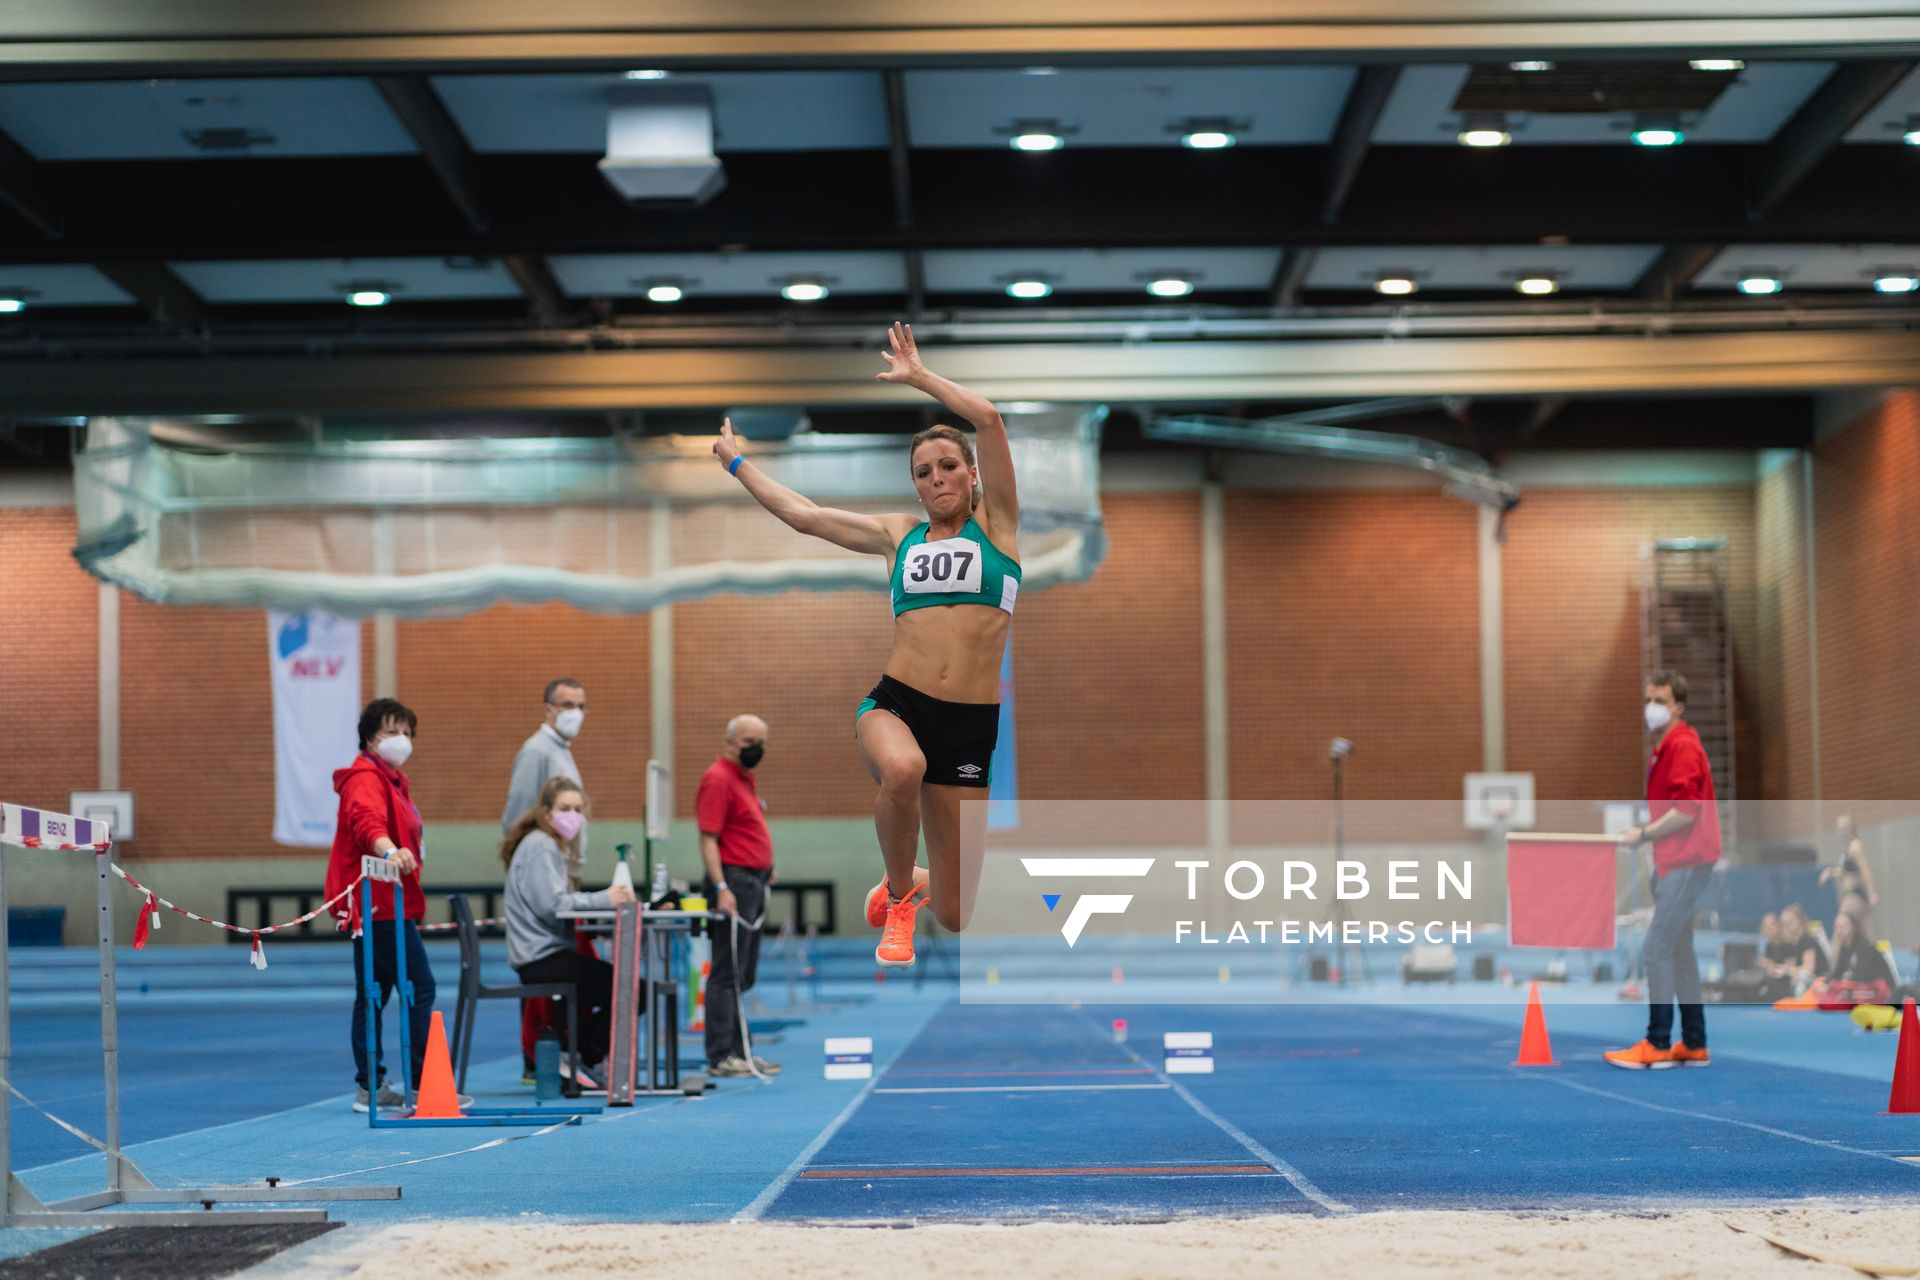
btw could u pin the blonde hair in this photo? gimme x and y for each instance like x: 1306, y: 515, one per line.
x: 540, y: 817
x: 941, y: 431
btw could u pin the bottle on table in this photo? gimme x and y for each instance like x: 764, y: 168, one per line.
x: 623, y: 871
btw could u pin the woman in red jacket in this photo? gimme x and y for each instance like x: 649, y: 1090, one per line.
x: 378, y: 818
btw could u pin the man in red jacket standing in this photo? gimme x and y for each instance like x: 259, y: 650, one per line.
x: 379, y: 819
x: 1683, y: 825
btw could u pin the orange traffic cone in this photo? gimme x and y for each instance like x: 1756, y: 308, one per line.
x: 1535, y: 1049
x: 1905, y: 1098
x: 438, y: 1099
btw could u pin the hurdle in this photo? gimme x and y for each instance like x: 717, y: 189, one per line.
x: 26, y: 828
x: 381, y: 869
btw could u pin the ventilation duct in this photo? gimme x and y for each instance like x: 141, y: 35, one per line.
x: 660, y: 145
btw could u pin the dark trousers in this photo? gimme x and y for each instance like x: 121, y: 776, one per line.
x: 1673, y: 971
x: 592, y: 977
x: 723, y: 1005
x: 419, y: 974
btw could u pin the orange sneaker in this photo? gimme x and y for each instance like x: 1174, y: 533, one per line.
x: 1685, y: 1057
x: 877, y: 898
x: 896, y: 944
x: 1642, y: 1057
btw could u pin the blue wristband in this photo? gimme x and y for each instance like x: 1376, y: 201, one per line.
x: 734, y: 466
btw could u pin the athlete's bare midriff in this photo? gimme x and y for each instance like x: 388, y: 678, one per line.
x: 951, y: 651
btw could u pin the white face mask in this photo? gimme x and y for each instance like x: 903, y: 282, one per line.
x: 395, y: 750
x: 567, y: 723
x: 1659, y: 716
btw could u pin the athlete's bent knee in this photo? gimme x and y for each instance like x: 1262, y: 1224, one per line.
x: 901, y: 774
x: 953, y: 916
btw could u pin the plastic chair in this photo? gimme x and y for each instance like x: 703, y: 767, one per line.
x: 466, y: 1008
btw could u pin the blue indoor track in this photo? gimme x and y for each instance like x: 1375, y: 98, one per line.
x: 1388, y: 1100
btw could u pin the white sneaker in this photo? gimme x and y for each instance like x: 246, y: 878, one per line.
x: 390, y: 1098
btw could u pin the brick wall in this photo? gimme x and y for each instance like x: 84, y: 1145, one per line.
x: 1573, y: 570
x: 1353, y: 615
x: 1867, y: 560
x: 1350, y: 613
x: 49, y: 656
x: 477, y: 682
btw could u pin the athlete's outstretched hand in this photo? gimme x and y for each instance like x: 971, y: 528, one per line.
x: 725, y: 448
x: 903, y: 360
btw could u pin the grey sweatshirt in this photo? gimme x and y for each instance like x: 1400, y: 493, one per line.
x: 544, y: 755
x: 536, y: 894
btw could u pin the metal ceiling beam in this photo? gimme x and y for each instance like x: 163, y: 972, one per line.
x: 26, y: 187
x: 1157, y: 373
x: 1853, y: 89
x: 425, y: 117
x: 537, y: 282
x: 1290, y: 276
x: 899, y: 150
x: 979, y: 199
x: 167, y: 298
x: 59, y: 37
x: 1354, y: 134
x: 1674, y: 270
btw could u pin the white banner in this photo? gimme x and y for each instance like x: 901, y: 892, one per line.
x: 316, y: 714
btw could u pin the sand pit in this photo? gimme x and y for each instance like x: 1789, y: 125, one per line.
x: 1422, y: 1245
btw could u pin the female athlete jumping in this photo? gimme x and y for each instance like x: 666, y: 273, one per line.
x: 927, y: 730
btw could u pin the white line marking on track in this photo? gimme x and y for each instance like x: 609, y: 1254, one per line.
x: 1022, y: 1088
x: 445, y: 1155
x: 772, y: 1191
x: 1298, y: 1180
x: 1701, y: 1115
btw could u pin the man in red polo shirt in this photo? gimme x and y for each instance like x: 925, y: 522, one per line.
x: 1683, y: 824
x: 738, y: 851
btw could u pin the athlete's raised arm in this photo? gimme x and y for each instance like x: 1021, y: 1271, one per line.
x: 990, y: 432
x: 869, y: 534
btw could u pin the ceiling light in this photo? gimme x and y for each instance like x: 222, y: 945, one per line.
x: 1896, y: 283
x: 646, y: 75
x: 1207, y: 139
x: 1485, y: 137
x: 1912, y: 136
x: 1028, y: 289
x: 1535, y: 64
x: 664, y: 293
x: 1537, y: 286
x: 369, y: 298
x: 1395, y: 286
x: 1037, y: 142
x: 1759, y: 284
x: 1658, y: 137
x: 1170, y: 288
x: 1041, y: 71
x: 803, y: 291
x: 9, y: 306
x: 1717, y: 64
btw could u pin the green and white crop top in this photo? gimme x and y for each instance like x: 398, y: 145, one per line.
x: 964, y: 569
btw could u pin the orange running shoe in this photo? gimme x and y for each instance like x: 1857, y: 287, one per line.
x: 896, y: 944
x: 1685, y: 1057
x: 877, y: 898
x: 1642, y: 1057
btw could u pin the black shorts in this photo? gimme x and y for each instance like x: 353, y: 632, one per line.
x: 957, y: 738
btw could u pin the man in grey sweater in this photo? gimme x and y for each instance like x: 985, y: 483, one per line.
x: 549, y: 754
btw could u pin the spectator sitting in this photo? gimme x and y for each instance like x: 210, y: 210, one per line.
x: 1793, y: 959
x: 1769, y: 931
x: 1856, y: 957
x: 540, y: 945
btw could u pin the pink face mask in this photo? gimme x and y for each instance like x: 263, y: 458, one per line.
x: 568, y: 823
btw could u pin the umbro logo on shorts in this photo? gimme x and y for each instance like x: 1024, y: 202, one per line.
x: 970, y: 770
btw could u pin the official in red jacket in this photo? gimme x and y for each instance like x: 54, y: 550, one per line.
x: 1683, y: 824
x: 378, y: 818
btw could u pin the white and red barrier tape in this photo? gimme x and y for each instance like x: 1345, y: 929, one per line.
x: 150, y: 909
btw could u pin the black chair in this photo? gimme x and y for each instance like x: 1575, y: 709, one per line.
x: 466, y: 1008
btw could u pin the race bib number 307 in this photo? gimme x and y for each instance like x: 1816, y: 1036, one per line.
x: 950, y: 565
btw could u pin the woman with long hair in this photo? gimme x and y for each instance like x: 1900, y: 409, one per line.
x: 539, y: 848
x: 927, y: 731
